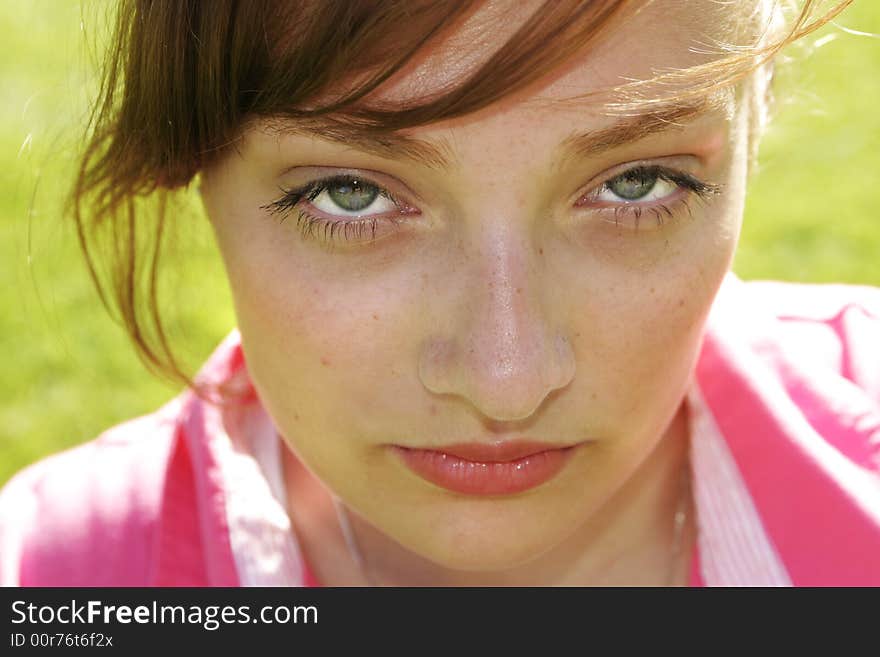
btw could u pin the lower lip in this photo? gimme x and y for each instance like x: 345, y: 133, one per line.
x: 484, y: 478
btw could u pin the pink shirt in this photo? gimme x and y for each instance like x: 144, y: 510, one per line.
x: 785, y: 458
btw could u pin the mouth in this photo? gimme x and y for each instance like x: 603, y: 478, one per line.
x: 501, y: 468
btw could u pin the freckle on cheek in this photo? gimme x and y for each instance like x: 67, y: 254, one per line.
x: 680, y: 303
x: 375, y: 316
x: 325, y: 361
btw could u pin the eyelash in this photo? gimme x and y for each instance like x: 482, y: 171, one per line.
x: 308, y: 223
x: 662, y: 211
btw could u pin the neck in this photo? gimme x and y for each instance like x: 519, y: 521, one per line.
x: 631, y: 540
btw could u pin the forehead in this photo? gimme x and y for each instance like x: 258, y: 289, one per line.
x: 644, y: 40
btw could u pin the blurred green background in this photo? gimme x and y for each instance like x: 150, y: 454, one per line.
x: 69, y: 371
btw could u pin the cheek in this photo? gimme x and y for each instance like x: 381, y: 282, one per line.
x: 669, y: 296
x: 639, y: 334
x: 322, y: 353
x: 643, y: 350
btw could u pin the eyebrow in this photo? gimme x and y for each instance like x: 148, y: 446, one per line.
x: 438, y: 154
x: 671, y: 117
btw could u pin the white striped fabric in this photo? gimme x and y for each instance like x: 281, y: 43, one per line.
x: 260, y: 533
x: 733, y: 546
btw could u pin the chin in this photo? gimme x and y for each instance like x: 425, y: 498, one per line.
x: 485, y: 551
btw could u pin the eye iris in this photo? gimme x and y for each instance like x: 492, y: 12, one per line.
x: 353, y: 195
x: 633, y: 185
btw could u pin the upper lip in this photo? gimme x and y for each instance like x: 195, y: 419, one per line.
x: 499, y: 451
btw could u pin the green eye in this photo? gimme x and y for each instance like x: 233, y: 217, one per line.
x: 353, y: 195
x: 633, y: 185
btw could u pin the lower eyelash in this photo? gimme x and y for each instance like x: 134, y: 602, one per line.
x: 661, y: 213
x: 664, y: 212
x: 309, y: 223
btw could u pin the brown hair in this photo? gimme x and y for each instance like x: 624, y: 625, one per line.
x: 182, y: 76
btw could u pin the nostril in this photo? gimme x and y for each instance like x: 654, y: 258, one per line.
x: 507, y: 380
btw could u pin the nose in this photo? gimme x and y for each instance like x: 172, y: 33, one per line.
x: 501, y: 350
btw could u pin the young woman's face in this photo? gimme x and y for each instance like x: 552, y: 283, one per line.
x: 547, y: 282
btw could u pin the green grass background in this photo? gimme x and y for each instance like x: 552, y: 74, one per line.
x: 69, y: 372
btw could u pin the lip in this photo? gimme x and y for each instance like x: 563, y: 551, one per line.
x: 501, y: 468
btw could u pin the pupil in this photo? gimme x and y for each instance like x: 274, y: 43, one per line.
x: 633, y: 185
x: 354, y: 195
